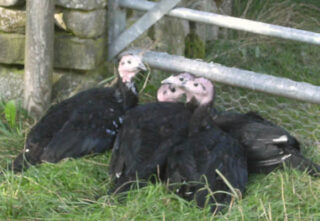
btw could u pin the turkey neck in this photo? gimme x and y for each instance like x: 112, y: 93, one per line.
x: 201, y: 119
x: 127, y: 92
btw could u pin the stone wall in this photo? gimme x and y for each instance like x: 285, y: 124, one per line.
x: 81, y: 39
x: 80, y: 45
x: 176, y: 35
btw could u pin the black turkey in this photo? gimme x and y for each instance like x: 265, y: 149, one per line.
x: 148, y: 134
x: 209, y: 158
x: 268, y: 146
x: 85, y: 123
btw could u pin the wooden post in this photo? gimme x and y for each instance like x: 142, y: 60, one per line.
x: 38, y: 56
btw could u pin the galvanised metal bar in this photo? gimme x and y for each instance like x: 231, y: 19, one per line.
x: 145, y: 22
x: 233, y: 76
x: 231, y: 22
x: 116, y: 20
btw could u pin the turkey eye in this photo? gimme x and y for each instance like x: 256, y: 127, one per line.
x: 129, y: 62
x: 173, y: 90
x: 195, y: 84
x: 181, y: 79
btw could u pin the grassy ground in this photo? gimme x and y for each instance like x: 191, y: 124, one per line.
x: 77, y: 189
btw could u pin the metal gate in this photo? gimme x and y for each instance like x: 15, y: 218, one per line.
x: 39, y: 49
x: 120, y: 38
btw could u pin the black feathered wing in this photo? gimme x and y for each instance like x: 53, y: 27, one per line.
x: 268, y: 146
x: 60, y: 127
x: 148, y: 134
x: 196, y: 161
x: 90, y: 129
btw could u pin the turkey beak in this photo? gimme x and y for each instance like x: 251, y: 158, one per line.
x: 169, y: 80
x: 142, y: 67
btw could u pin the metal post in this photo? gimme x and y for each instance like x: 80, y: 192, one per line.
x: 116, y: 20
x: 38, y: 56
x: 145, y: 22
x: 233, y: 76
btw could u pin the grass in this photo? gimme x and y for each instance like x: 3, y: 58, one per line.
x: 76, y: 189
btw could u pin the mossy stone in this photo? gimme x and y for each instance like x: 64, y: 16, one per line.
x: 12, y: 21
x: 82, y: 4
x: 77, y: 53
x: 10, y: 3
x: 70, y: 52
x: 194, y: 46
x: 12, y: 48
x: 86, y: 24
x: 11, y: 83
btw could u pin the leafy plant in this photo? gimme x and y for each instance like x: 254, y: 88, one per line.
x: 10, y: 113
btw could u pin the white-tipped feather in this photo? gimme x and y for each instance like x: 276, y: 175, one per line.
x: 115, y: 124
x: 120, y: 120
x: 110, y: 132
x: 281, y: 139
x: 285, y: 157
x: 118, y: 175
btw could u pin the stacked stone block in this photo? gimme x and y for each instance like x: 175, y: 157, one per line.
x: 80, y: 44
